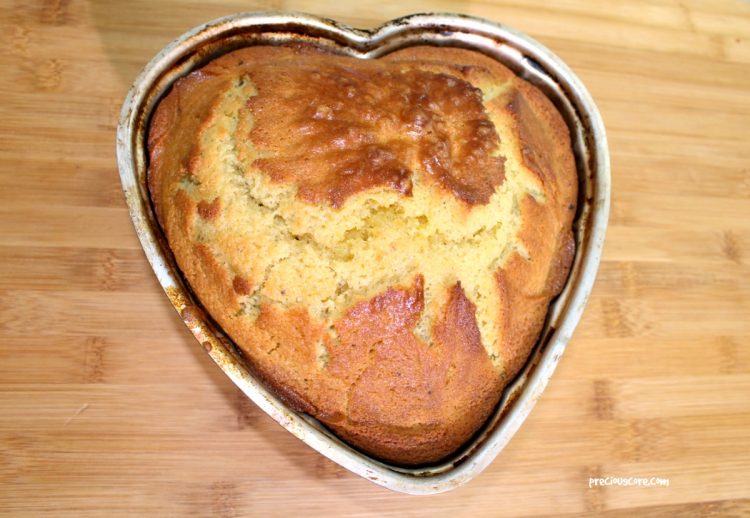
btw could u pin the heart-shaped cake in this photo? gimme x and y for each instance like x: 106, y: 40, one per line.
x: 381, y: 238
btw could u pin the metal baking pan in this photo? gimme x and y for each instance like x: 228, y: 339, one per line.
x: 517, y: 51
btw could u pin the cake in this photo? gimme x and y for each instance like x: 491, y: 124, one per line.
x: 380, y: 238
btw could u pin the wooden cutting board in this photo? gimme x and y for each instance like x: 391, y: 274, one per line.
x: 109, y: 406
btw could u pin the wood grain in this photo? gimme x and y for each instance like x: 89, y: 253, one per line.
x: 110, y: 407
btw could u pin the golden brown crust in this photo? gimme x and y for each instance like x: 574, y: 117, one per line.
x: 401, y: 369
x: 335, y: 128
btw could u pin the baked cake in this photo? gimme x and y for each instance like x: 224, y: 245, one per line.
x: 381, y: 238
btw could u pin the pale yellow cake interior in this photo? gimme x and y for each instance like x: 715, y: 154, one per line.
x: 325, y: 258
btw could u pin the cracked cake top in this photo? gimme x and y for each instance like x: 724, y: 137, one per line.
x: 381, y: 238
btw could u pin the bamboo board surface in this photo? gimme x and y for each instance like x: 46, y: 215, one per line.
x: 109, y: 406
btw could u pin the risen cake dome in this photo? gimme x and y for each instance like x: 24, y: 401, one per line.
x: 380, y: 238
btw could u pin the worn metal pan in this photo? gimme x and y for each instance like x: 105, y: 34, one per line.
x: 523, y: 55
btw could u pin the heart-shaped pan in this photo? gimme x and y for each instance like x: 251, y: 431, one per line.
x: 520, y: 53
